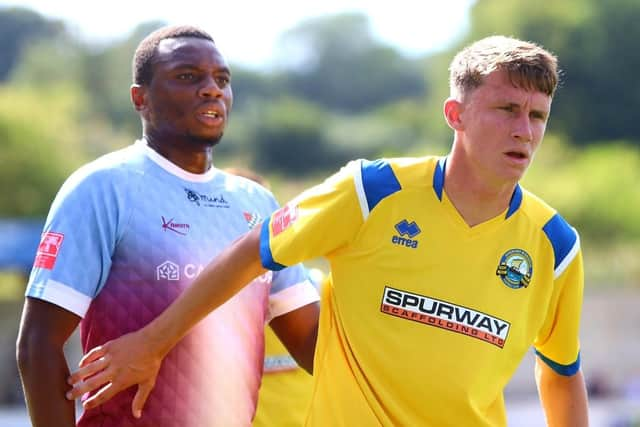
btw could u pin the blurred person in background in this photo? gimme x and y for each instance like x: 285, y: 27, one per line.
x: 129, y: 232
x: 444, y: 270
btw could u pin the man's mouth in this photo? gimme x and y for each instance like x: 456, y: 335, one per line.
x: 212, y: 114
x: 213, y: 117
x: 516, y: 155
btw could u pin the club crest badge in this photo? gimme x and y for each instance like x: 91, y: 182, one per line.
x: 515, y: 269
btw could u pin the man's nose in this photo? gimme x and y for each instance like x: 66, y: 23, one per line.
x: 522, y: 130
x: 210, y: 88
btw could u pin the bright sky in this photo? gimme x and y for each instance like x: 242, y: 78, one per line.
x: 247, y: 31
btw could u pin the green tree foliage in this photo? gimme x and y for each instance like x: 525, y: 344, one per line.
x: 48, y: 62
x: 291, y: 137
x: 102, y: 123
x: 598, y: 191
x: 250, y: 87
x: 40, y: 146
x: 107, y: 76
x: 18, y: 28
x: 602, y: 86
x: 334, y: 61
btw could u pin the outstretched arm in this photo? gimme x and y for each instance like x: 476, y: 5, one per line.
x: 44, y: 329
x: 135, y: 358
x: 563, y: 398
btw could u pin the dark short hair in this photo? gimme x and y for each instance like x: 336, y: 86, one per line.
x: 146, y: 51
x: 527, y: 64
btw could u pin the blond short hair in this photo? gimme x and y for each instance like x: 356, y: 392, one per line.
x: 528, y: 65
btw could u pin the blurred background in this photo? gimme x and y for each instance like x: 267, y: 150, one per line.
x: 319, y: 83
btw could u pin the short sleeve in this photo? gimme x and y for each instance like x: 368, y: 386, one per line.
x: 558, y: 341
x: 319, y: 221
x: 291, y: 288
x: 74, y: 255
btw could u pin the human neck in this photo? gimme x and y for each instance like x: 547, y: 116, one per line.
x: 475, y: 199
x: 193, y: 158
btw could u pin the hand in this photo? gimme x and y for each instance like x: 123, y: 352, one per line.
x: 113, y: 367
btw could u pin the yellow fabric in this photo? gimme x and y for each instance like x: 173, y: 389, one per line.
x: 421, y: 330
x: 286, y: 388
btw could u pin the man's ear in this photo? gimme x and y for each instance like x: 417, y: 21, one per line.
x: 452, y: 113
x: 138, y: 97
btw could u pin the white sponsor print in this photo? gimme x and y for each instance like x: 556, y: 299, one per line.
x: 171, y: 271
x: 168, y: 271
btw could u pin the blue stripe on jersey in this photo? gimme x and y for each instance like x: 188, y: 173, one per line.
x: 516, y: 201
x: 266, y: 257
x: 561, y: 236
x: 438, y: 177
x: 378, y: 181
x: 566, y: 370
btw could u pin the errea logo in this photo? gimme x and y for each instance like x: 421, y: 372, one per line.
x: 406, y: 232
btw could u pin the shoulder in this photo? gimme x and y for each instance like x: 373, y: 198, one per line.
x: 242, y: 184
x: 112, y: 172
x: 117, y: 164
x: 395, y: 165
x: 382, y: 177
x: 245, y: 187
x: 561, y: 235
x: 540, y: 212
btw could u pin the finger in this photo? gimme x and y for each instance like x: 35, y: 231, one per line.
x: 140, y: 398
x: 104, y: 394
x: 91, y: 384
x: 94, y: 354
x: 88, y: 370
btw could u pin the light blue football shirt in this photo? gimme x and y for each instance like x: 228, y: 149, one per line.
x: 124, y: 236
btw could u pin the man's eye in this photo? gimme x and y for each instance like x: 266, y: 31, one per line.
x: 186, y: 76
x: 508, y: 108
x: 223, y: 81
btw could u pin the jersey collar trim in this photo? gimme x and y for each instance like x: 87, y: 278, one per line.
x: 438, y: 187
x: 438, y: 177
x: 516, y: 201
x: 174, y: 169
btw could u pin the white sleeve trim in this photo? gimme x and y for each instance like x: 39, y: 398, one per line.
x: 362, y: 197
x: 291, y: 298
x: 567, y: 259
x: 61, y: 295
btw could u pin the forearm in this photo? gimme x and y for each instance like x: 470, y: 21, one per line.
x: 44, y: 328
x: 217, y: 283
x: 563, y: 398
x: 44, y: 383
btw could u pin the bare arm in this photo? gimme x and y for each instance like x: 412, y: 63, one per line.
x: 298, y: 331
x: 234, y: 268
x: 135, y: 358
x: 563, y: 398
x: 44, y: 329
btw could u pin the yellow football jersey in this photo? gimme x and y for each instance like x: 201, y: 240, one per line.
x: 424, y: 319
